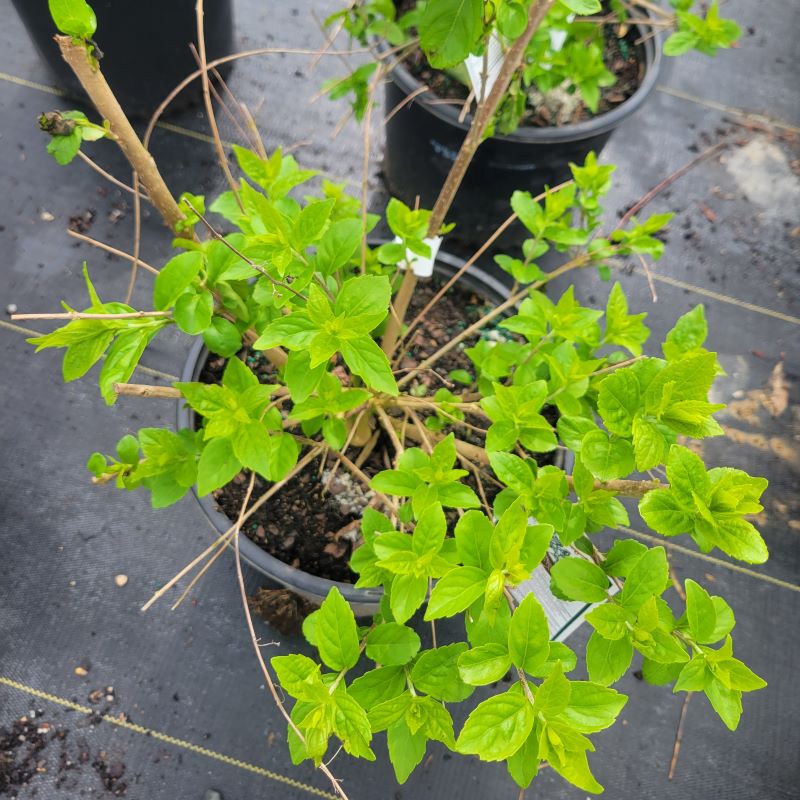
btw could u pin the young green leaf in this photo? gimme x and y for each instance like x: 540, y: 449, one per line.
x: 607, y: 660
x: 392, y: 644
x: 498, y: 727
x: 336, y: 633
x: 528, y: 635
x: 579, y: 579
x: 455, y: 592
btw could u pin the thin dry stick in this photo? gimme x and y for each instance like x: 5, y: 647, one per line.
x: 366, y: 451
x: 649, y: 276
x: 109, y: 249
x: 263, y: 51
x: 365, y: 163
x: 212, y: 121
x: 195, y: 580
x: 256, y: 646
x: 92, y: 80
x: 405, y: 101
x: 678, y: 737
x: 87, y: 315
x: 146, y: 390
x: 107, y: 175
x: 137, y: 236
x: 669, y: 180
x: 388, y: 426
x: 475, y: 134
x: 347, y: 443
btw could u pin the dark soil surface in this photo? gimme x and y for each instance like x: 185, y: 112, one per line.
x: 28, y: 750
x: 312, y: 528
x: 621, y: 55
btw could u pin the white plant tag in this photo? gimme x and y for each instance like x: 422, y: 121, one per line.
x: 563, y: 616
x: 420, y: 265
x: 557, y: 39
x: 494, y: 61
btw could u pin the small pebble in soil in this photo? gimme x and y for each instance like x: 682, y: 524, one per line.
x: 11, y: 308
x: 120, y: 580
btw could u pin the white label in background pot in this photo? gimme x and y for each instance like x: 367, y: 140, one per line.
x: 423, y: 266
x: 474, y: 65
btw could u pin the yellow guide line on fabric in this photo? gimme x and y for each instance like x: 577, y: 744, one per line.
x: 722, y: 298
x: 163, y: 737
x: 710, y: 559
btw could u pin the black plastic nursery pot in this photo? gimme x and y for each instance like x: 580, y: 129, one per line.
x: 423, y: 138
x: 145, y: 46
x: 364, y: 602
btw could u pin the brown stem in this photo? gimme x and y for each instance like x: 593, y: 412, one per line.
x: 87, y: 315
x: 109, y: 249
x: 91, y: 78
x: 480, y: 122
x: 146, y: 390
x: 212, y: 120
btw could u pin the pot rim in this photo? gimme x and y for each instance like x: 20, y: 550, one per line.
x: 365, y: 601
x: 407, y: 83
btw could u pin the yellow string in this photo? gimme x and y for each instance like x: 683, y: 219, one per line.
x: 173, y: 740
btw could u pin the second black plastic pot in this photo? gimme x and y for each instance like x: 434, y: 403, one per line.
x: 145, y: 46
x: 364, y: 602
x: 423, y: 139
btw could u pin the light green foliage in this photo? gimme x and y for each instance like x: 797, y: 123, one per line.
x: 73, y: 17
x: 555, y: 374
x: 68, y: 130
x: 707, y: 34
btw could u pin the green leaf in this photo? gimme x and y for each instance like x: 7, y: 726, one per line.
x: 680, y: 42
x: 122, y: 358
x: 252, y: 446
x: 689, y: 334
x: 338, y: 245
x: 430, y: 530
x: 609, y: 620
x: 605, y: 457
x: 73, y: 17
x: 366, y: 359
x: 336, y: 632
x: 592, y: 708
x: 436, y: 672
x: 575, y: 769
x: 529, y: 635
x: 552, y: 697
x: 377, y: 686
x: 582, y: 7
x: 408, y: 592
x: 497, y: 728
x: 623, y: 556
x: 222, y: 337
x: 484, y: 664
x: 65, y: 148
x: 579, y: 579
x: 193, y: 311
x: 352, y: 726
x: 406, y: 749
x: 364, y: 301
x: 392, y: 644
x: 523, y: 766
x: 472, y: 534
x: 449, y: 30
x: 299, y: 676
x: 455, y: 592
x: 648, y: 577
x: 627, y: 330
x: 174, y: 278
x: 217, y: 466
x: 700, y: 612
x: 726, y: 702
x: 607, y: 660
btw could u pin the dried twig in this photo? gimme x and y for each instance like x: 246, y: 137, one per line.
x: 678, y: 737
x: 109, y: 249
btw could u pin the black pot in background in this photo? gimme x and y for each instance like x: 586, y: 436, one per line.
x: 145, y: 46
x: 364, y: 602
x: 423, y: 138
